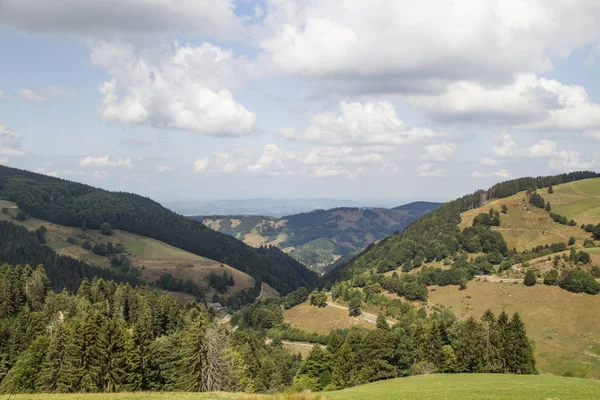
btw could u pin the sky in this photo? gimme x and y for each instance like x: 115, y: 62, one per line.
x: 363, y: 100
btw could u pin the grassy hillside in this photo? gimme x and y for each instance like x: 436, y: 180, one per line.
x: 473, y: 387
x: 559, y: 322
x: 525, y: 226
x: 76, y: 205
x: 152, y: 256
x: 323, y: 320
x: 320, y: 237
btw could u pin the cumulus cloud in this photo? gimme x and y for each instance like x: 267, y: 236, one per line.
x: 271, y: 158
x: 201, y: 165
x: 568, y: 160
x: 163, y: 168
x: 327, y: 171
x: 428, y: 170
x: 479, y: 41
x: 178, y: 87
x: 110, y: 17
x: 45, y: 93
x: 371, y: 123
x: 488, y: 161
x: 105, y: 161
x: 507, y: 148
x: 502, y: 173
x: 528, y: 103
x: 10, y: 144
x: 100, y: 174
x: 44, y: 171
x: 438, y: 152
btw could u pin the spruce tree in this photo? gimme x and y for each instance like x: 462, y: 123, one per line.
x: 48, y: 379
x: 520, y: 358
x: 490, y: 355
x: 342, y: 367
x: 194, y: 352
x: 112, y: 363
x: 217, y: 374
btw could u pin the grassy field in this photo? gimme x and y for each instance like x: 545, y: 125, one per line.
x: 168, y: 396
x: 322, y: 320
x: 562, y: 324
x: 474, y: 387
x: 154, y: 256
x: 526, y: 226
x: 425, y: 387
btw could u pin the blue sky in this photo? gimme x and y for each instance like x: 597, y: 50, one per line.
x: 372, y: 101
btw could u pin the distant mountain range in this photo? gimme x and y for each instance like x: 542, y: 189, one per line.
x: 320, y: 237
x: 264, y: 206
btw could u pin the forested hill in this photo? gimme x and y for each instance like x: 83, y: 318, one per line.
x: 436, y: 236
x: 320, y: 237
x: 74, y: 204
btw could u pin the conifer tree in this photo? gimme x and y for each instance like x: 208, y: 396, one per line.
x: 194, y: 352
x: 38, y: 286
x: 520, y: 355
x: 22, y: 376
x: 447, y: 359
x: 112, y: 363
x: 217, y: 374
x: 335, y: 342
x: 381, y: 322
x: 490, y: 343
x: 342, y: 367
x: 48, y: 379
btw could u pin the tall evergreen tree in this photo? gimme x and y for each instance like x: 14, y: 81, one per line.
x: 520, y: 354
x: 343, y: 367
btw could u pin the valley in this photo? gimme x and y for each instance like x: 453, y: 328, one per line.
x: 320, y: 237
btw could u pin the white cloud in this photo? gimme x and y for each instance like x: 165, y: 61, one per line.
x: 528, y: 102
x: 177, y: 87
x: 371, y: 123
x: 502, y: 173
x: 568, y: 160
x: 326, y: 171
x: 112, y: 17
x: 428, y: 170
x: 163, y: 168
x: 480, y: 41
x: 488, y: 161
x: 507, y: 147
x: 271, y: 158
x: 43, y: 170
x: 439, y: 152
x: 100, y: 174
x: 3, y: 96
x: 46, y: 93
x: 105, y: 161
x: 201, y: 165
x: 10, y: 144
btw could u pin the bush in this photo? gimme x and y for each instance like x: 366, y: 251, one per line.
x: 106, y: 229
x: 571, y: 241
x: 21, y: 216
x: 579, y: 281
x: 87, y: 245
x: 530, y: 278
x: 551, y: 278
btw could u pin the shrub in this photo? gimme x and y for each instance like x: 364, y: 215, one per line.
x: 551, y: 278
x: 87, y: 245
x: 106, y: 229
x: 21, y: 216
x: 571, y: 241
x: 530, y: 278
x: 579, y: 281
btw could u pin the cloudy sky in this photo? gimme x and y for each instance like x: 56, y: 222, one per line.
x: 363, y: 100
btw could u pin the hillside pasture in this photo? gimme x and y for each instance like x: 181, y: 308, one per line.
x: 560, y: 323
x: 153, y: 256
x: 473, y: 387
x: 322, y: 320
x: 526, y: 226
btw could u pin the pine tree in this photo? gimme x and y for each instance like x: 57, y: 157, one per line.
x: 520, y: 354
x: 141, y: 372
x: 502, y: 335
x: 490, y: 343
x: 112, y: 361
x: 217, y: 374
x: 447, y: 359
x: 194, y: 353
x: 85, y: 290
x: 335, y: 342
x: 342, y: 367
x: 38, y: 286
x: 468, y: 346
x: 22, y: 376
x: 53, y: 363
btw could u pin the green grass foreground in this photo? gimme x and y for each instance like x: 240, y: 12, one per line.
x: 474, y: 387
x: 428, y: 387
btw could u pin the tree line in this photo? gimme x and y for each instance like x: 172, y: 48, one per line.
x: 75, y: 204
x: 112, y: 337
